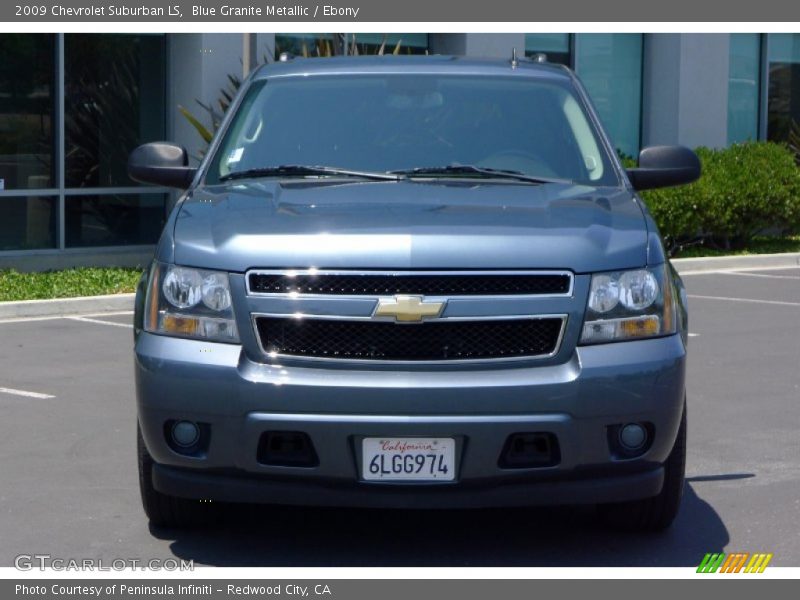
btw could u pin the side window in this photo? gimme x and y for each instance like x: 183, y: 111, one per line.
x: 245, y: 134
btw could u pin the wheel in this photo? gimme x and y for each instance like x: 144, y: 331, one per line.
x: 658, y: 512
x: 161, y: 509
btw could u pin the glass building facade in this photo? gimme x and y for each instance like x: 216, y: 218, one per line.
x: 764, y: 87
x: 744, y: 87
x: 783, y: 86
x: 72, y: 106
x: 610, y: 66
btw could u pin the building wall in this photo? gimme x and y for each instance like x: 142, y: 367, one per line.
x: 685, y: 87
x: 198, y: 67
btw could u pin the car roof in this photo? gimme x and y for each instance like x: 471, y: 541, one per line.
x: 411, y: 65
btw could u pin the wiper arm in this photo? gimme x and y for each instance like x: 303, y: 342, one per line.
x: 475, y: 171
x: 307, y: 171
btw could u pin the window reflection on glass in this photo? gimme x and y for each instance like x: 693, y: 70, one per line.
x: 554, y: 45
x: 783, y: 105
x: 744, y: 72
x: 27, y: 78
x: 114, y: 101
x: 28, y: 223
x: 119, y: 220
x: 610, y: 66
x: 329, y: 44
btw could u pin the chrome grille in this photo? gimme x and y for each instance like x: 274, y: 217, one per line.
x: 371, y: 283
x: 296, y: 314
x: 442, y: 340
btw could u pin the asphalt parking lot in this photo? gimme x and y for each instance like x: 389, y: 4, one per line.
x: 68, y: 480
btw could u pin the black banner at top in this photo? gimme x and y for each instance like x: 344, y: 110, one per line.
x: 383, y: 11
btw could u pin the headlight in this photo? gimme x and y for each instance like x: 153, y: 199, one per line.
x: 638, y: 289
x: 216, y: 292
x: 626, y: 305
x: 182, y: 287
x: 192, y: 303
x: 604, y: 293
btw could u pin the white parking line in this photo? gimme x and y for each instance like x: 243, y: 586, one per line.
x: 54, y: 317
x: 751, y: 300
x: 738, y: 270
x: 88, y: 320
x: 25, y: 393
x: 745, y: 274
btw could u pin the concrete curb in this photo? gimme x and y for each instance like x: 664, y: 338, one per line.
x: 66, y: 306
x: 124, y: 302
x: 727, y: 263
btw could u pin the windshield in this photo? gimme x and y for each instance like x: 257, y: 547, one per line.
x: 397, y: 123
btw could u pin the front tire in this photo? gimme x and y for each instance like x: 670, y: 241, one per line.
x: 163, y: 510
x: 656, y: 513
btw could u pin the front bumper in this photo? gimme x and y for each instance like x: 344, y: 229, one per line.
x: 237, y: 488
x: 577, y: 401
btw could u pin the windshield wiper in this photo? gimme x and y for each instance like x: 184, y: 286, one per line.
x: 475, y: 171
x: 307, y: 171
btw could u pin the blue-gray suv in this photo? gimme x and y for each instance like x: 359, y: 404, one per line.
x: 422, y: 282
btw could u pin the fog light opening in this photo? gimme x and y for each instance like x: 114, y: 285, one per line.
x: 185, y: 434
x: 632, y: 436
x: 630, y: 440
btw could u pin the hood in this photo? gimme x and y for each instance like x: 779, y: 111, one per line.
x: 409, y: 225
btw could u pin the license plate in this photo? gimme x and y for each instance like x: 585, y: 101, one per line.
x: 408, y: 459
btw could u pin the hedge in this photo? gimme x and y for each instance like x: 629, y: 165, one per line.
x: 745, y: 190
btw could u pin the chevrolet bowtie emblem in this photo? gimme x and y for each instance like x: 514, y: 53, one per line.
x: 408, y: 309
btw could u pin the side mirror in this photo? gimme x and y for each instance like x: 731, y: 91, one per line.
x: 161, y: 163
x: 664, y: 166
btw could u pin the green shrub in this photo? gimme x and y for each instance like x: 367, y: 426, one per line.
x: 745, y: 189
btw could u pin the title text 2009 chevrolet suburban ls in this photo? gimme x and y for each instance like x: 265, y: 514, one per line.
x: 411, y: 282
